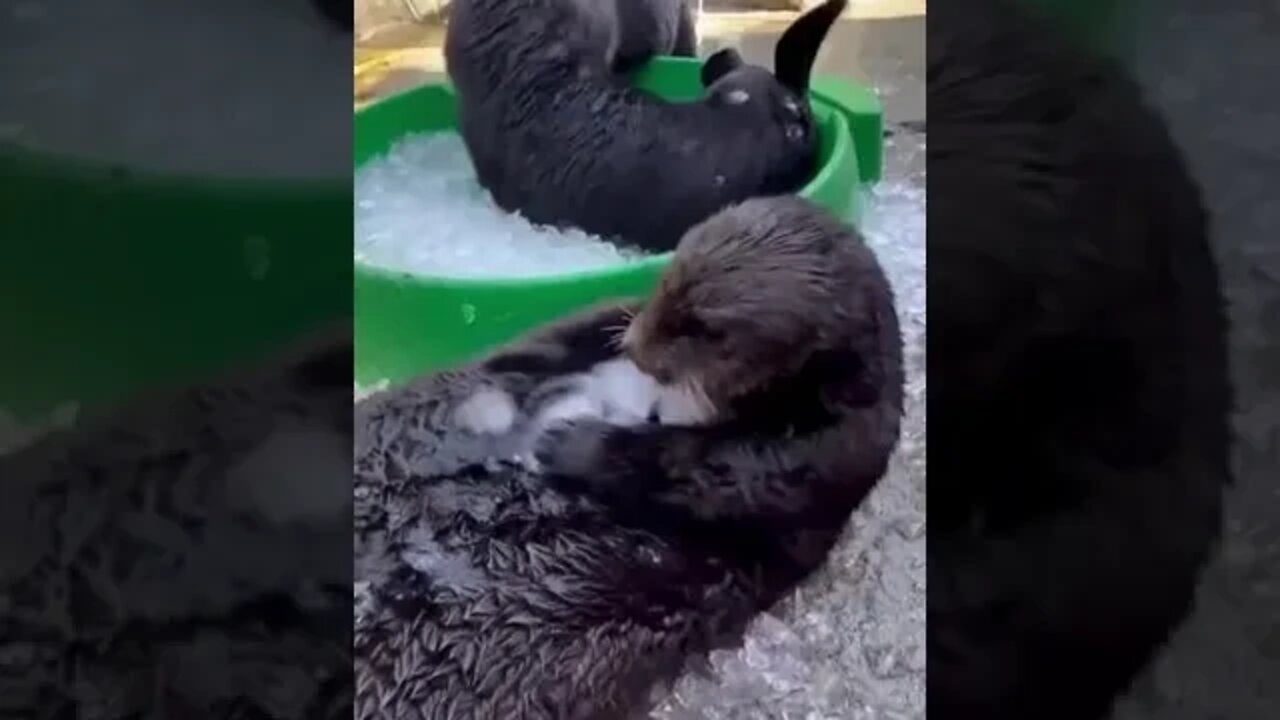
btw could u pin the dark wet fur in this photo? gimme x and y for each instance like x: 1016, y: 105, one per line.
x: 558, y: 612
x: 563, y: 608
x: 558, y: 134
x: 652, y: 27
x: 788, y: 319
x: 96, y: 611
x: 1078, y: 386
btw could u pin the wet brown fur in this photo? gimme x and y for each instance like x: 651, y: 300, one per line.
x: 784, y: 319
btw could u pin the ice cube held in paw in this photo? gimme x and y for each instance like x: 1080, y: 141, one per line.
x: 582, y: 403
x: 627, y: 394
x: 489, y: 411
x: 615, y: 391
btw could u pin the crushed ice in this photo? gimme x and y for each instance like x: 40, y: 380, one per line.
x: 420, y: 209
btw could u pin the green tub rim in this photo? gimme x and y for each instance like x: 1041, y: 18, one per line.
x: 30, y: 161
x: 841, y: 99
x: 408, y: 323
x: 843, y: 146
x: 107, y: 197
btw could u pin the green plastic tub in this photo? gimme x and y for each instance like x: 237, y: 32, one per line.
x: 115, y: 281
x: 407, y: 324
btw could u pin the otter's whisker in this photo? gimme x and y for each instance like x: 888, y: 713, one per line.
x: 616, y: 333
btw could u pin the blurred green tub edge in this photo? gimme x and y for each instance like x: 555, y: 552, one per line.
x: 406, y: 325
x: 121, y: 281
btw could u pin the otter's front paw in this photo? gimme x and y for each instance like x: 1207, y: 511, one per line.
x: 575, y: 457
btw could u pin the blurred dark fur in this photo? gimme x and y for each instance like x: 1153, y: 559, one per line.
x: 558, y: 134
x: 1078, y: 375
x: 129, y: 555
x: 339, y: 12
x: 486, y: 593
x: 646, y: 28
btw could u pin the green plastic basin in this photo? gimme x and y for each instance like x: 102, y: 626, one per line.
x: 115, y: 281
x: 407, y: 324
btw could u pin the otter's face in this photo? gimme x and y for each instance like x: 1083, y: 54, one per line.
x: 779, y: 118
x: 754, y: 96
x: 750, y: 295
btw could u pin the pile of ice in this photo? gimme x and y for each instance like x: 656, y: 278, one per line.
x: 850, y: 644
x: 134, y: 82
x: 420, y: 209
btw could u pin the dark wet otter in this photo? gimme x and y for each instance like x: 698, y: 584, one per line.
x: 558, y: 135
x: 1079, y: 399
x: 780, y: 321
x: 485, y: 592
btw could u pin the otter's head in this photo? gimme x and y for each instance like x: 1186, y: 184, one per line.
x: 775, y: 104
x: 750, y: 296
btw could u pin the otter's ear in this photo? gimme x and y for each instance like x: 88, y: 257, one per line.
x: 719, y: 64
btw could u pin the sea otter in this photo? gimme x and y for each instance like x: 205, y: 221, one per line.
x: 489, y: 589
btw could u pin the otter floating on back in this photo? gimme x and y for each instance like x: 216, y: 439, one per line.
x: 487, y: 590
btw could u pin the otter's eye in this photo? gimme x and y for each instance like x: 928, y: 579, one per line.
x: 795, y: 132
